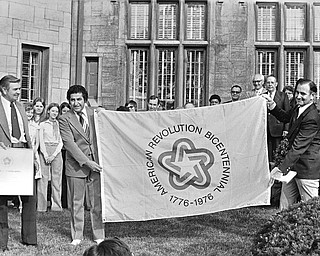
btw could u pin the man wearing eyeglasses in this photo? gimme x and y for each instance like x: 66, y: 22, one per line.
x: 235, y: 93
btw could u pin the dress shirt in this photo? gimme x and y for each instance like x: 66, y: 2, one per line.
x: 50, y: 133
x: 303, y: 108
x: 7, y: 110
x: 85, y: 118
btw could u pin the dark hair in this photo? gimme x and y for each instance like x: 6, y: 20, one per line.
x: 302, y: 81
x: 28, y: 106
x: 6, y: 80
x: 64, y: 105
x: 215, y: 96
x: 50, y: 106
x: 109, y: 247
x: 122, y: 108
x: 77, y: 89
x: 288, y: 88
x: 39, y: 99
x: 236, y: 85
x: 154, y: 97
x: 132, y: 102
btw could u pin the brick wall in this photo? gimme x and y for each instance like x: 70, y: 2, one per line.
x: 44, y: 23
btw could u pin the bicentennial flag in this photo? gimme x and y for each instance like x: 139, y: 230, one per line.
x: 183, y: 162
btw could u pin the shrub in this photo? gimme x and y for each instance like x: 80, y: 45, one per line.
x: 295, y: 231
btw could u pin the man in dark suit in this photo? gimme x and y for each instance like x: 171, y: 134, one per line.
x: 82, y: 165
x: 303, y: 155
x: 14, y: 132
x: 275, y: 129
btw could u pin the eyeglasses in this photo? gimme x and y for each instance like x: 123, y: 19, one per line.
x: 257, y: 81
x: 130, y: 106
x: 237, y: 92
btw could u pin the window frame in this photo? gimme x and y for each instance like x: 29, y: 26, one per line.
x: 277, y: 21
x: 177, y: 19
x: 305, y: 29
x: 149, y: 19
x: 265, y: 49
x: 205, y: 36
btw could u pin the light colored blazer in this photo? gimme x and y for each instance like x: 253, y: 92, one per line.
x: 79, y: 148
x: 5, y: 136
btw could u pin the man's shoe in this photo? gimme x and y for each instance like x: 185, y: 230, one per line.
x: 75, y: 242
x: 98, y: 241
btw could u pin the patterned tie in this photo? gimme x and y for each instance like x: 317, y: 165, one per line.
x: 84, y: 124
x: 14, y: 122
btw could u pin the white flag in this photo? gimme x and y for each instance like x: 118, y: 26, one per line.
x: 183, y: 162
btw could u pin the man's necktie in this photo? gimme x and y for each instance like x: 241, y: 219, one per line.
x: 83, y: 124
x: 14, y: 122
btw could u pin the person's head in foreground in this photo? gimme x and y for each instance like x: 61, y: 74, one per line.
x: 109, y: 247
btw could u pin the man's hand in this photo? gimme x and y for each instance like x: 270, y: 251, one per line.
x: 275, y: 175
x: 93, y: 166
x: 270, y: 103
x: 2, y: 145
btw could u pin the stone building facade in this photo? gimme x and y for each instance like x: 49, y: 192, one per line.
x: 180, y: 50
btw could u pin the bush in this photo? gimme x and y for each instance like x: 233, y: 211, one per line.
x: 295, y: 231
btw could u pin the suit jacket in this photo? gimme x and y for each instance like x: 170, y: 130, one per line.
x: 5, y: 136
x: 304, y: 142
x: 79, y: 148
x: 276, y: 127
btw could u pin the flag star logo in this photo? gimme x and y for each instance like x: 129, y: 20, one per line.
x: 187, y: 165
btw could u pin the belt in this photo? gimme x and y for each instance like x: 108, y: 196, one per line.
x: 19, y: 145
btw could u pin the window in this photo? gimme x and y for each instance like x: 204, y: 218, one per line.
x: 167, y: 76
x: 34, y: 72
x: 194, y: 76
x: 317, y: 70
x: 92, y: 77
x: 283, y: 46
x: 159, y: 48
x: 196, y: 21
x: 266, y: 61
x: 266, y: 22
x: 294, y: 68
x: 139, y: 22
x: 167, y: 21
x: 295, y: 22
x: 316, y: 22
x: 138, y: 76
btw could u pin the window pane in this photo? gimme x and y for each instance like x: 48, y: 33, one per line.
x: 317, y: 22
x: 30, y: 82
x: 317, y: 70
x: 266, y: 27
x: 167, y: 24
x: 196, y: 21
x: 195, y: 77
x: 139, y: 18
x: 138, y: 77
x: 295, y: 23
x: 166, y: 77
x: 266, y: 62
x: 294, y: 67
x: 92, y: 77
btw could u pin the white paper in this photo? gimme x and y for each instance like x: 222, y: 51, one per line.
x: 16, y: 171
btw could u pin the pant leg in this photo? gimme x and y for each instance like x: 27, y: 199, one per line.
x: 307, y: 188
x: 94, y: 190
x: 289, y: 194
x: 56, y: 179
x: 29, y: 217
x: 42, y: 186
x: 76, y: 191
x: 3, y: 222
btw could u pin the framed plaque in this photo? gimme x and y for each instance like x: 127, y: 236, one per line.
x: 16, y: 171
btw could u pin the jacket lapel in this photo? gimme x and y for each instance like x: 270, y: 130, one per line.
x: 77, y: 126
x: 4, y: 122
x: 297, y: 123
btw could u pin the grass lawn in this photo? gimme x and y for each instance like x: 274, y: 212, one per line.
x: 224, y: 233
